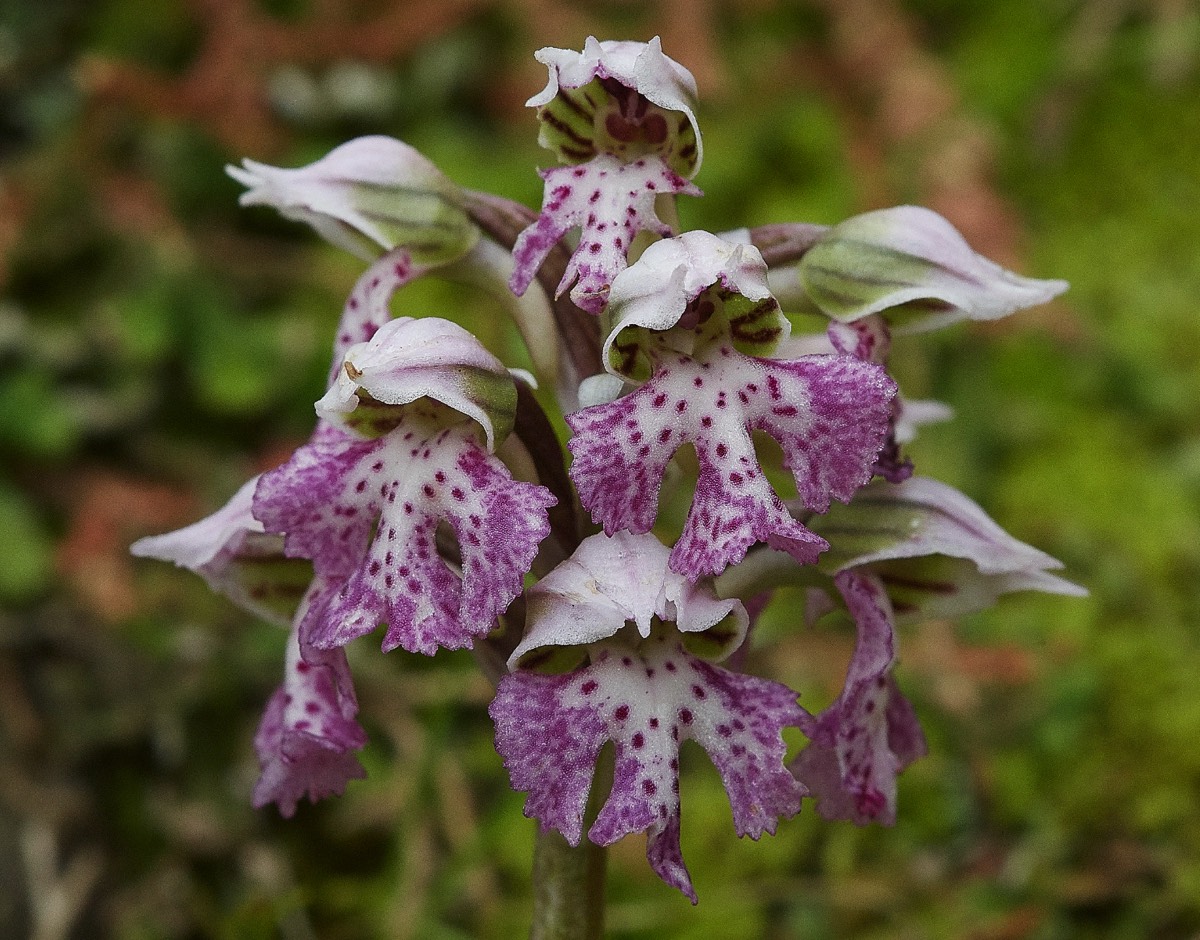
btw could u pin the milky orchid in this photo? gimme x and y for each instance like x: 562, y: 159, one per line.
x: 620, y: 116
x: 435, y: 501
x: 689, y: 338
x: 643, y: 689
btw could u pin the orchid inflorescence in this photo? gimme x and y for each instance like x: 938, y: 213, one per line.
x: 433, y: 493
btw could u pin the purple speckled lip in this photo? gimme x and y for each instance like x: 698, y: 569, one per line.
x: 829, y: 415
x: 610, y: 202
x: 864, y: 739
x: 368, y: 511
x: 646, y: 700
x: 308, y: 733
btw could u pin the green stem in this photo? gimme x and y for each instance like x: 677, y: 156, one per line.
x: 568, y: 881
x: 568, y: 889
x: 489, y: 265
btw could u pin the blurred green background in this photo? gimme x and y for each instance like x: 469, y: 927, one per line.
x: 158, y: 345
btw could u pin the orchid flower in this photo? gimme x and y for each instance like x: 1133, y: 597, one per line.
x: 403, y: 454
x: 692, y: 340
x: 898, y: 552
x: 617, y: 602
x: 620, y: 116
x: 387, y: 204
x: 422, y: 501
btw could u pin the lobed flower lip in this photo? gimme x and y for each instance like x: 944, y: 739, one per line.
x: 308, y: 733
x: 861, y: 742
x: 611, y: 202
x: 829, y: 415
x: 909, y: 260
x: 408, y: 359
x: 367, y: 513
x: 368, y: 196
x: 646, y: 699
x: 639, y: 66
x: 654, y: 295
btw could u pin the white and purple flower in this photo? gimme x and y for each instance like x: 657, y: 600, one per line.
x: 829, y: 414
x: 417, y: 504
x: 626, y: 99
x: 366, y: 509
x: 620, y: 116
x: 643, y: 688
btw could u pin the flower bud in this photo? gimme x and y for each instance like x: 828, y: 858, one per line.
x: 909, y: 260
x: 232, y: 552
x: 938, y: 552
x: 368, y: 196
x: 612, y: 581
x: 682, y: 282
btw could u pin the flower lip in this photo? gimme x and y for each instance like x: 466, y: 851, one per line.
x: 576, y: 126
x: 647, y: 701
x: 611, y: 202
x: 870, y: 733
x: 367, y: 512
x: 308, y: 734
